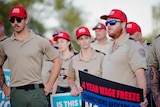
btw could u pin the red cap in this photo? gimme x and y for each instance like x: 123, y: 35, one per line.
x: 63, y: 35
x: 56, y: 33
x: 82, y: 31
x: 132, y: 27
x: 99, y: 26
x: 115, y: 13
x: 18, y: 11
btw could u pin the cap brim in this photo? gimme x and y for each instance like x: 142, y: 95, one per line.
x: 16, y: 16
x: 105, y: 17
x: 94, y: 28
x: 55, y: 38
x: 97, y: 28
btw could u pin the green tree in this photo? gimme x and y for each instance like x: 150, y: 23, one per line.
x: 62, y: 12
x: 156, y: 20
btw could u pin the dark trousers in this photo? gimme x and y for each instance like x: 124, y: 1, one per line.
x: 28, y: 96
x: 150, y: 100
x: 63, y: 89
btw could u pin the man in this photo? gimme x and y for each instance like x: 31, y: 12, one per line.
x: 125, y: 61
x: 101, y: 43
x: 135, y: 32
x: 155, y: 77
x: 87, y: 60
x: 25, y: 51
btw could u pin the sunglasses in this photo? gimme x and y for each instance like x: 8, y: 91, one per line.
x: 12, y: 20
x: 112, y: 22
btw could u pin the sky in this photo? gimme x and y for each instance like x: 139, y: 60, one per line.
x: 138, y: 11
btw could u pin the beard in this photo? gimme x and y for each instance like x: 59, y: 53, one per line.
x: 115, y: 33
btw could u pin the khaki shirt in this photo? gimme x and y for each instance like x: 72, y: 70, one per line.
x: 46, y: 69
x: 25, y: 58
x: 93, y: 66
x: 5, y: 65
x: 155, y: 54
x: 101, y: 47
x: 65, y: 64
x: 120, y: 66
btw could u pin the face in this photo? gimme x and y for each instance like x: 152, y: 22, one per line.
x: 136, y: 36
x: 115, y: 27
x: 18, y: 24
x: 84, y: 41
x: 63, y: 44
x: 100, y: 34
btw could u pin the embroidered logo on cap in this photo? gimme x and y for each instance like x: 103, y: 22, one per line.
x: 60, y: 34
x: 129, y: 25
x: 16, y: 10
x: 112, y: 13
x: 82, y: 30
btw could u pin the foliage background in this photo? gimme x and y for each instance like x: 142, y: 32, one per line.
x: 65, y: 13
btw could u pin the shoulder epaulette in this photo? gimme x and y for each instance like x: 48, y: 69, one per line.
x: 149, y: 44
x: 74, y: 54
x: 4, y: 39
x: 39, y: 34
x: 100, y: 52
x: 132, y: 39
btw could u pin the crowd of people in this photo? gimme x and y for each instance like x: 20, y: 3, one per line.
x: 39, y: 68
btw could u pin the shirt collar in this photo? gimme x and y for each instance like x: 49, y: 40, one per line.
x: 32, y: 35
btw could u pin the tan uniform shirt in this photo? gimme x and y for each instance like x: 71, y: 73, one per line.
x: 93, y: 66
x: 101, y: 47
x: 147, y: 48
x: 5, y: 65
x: 46, y: 69
x: 155, y: 54
x: 120, y: 66
x: 25, y: 58
x: 65, y: 64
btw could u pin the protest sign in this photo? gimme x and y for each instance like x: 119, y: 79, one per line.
x: 65, y: 100
x: 98, y: 92
x: 4, y: 102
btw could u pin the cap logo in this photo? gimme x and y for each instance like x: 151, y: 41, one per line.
x: 129, y: 25
x: 16, y: 10
x: 98, y: 26
x: 60, y: 34
x: 112, y: 13
x: 82, y: 30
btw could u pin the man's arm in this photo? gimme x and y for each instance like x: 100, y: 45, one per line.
x: 54, y: 74
x: 73, y: 86
x: 142, y: 83
x: 154, y: 79
x: 2, y: 78
x: 5, y: 88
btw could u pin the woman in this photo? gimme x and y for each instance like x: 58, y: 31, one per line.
x: 67, y: 51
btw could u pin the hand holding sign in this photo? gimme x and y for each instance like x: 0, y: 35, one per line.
x: 6, y: 90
